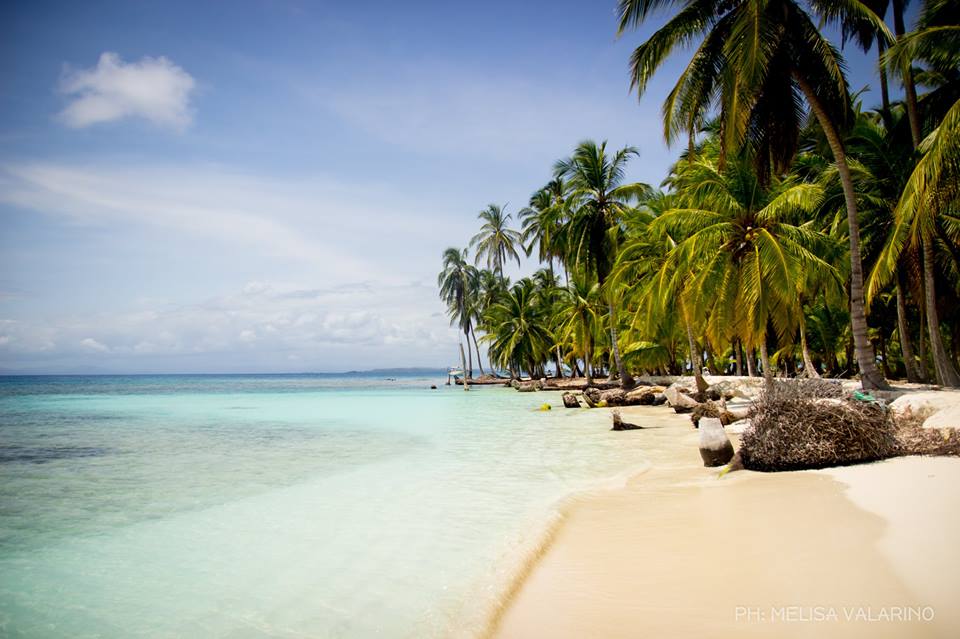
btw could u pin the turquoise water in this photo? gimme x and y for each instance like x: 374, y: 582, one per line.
x: 276, y: 506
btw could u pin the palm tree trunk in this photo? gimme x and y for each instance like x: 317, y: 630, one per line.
x: 468, y: 371
x: 695, y: 358
x: 946, y: 372
x: 463, y: 364
x: 751, y: 362
x: 559, y: 360
x: 884, y: 87
x: 903, y: 332
x: 909, y: 88
x: 739, y: 357
x: 870, y: 375
x: 626, y: 381
x: 924, y: 371
x: 588, y: 367
x: 809, y: 370
x: 765, y: 364
x: 476, y: 346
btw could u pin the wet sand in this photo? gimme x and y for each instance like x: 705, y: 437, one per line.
x: 864, y: 551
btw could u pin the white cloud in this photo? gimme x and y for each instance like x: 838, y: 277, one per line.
x: 154, y: 89
x: 91, y: 344
x: 341, y: 327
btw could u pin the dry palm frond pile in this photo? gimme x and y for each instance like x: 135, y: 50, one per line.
x: 913, y: 439
x: 793, y: 428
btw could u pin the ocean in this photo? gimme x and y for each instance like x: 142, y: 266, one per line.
x: 279, y: 505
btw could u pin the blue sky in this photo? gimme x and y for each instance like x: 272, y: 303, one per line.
x: 267, y: 186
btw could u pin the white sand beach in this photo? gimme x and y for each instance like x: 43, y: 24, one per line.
x: 860, y: 551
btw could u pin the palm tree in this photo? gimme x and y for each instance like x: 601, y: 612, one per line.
x: 496, y: 240
x: 580, y: 319
x: 599, y: 200
x: 457, y: 282
x: 541, y: 222
x: 743, y: 252
x: 933, y: 186
x: 756, y: 60
x: 520, y: 338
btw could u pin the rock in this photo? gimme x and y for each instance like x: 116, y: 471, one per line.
x: 679, y: 400
x: 659, y: 399
x: 944, y: 418
x: 526, y: 387
x: 715, y: 446
x: 433, y: 387
x: 619, y: 424
x: 570, y: 401
x: 926, y: 403
x: 738, y: 427
x: 746, y: 387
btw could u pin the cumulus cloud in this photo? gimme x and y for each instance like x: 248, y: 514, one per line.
x: 322, y: 329
x: 154, y: 89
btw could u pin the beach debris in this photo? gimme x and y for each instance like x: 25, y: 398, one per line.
x: 793, y: 429
x: 619, y: 424
x: 591, y: 396
x: 717, y: 409
x: 433, y: 387
x: 544, y: 406
x: 570, y: 401
x: 715, y: 446
x: 525, y: 387
x: 659, y: 399
x: 678, y: 399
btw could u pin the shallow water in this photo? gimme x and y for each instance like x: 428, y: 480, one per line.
x: 276, y: 506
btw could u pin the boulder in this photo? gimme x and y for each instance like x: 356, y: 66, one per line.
x: 526, y: 387
x: 944, y: 418
x: 659, y: 399
x: 715, y: 446
x: 619, y: 424
x: 925, y: 403
x: 570, y: 401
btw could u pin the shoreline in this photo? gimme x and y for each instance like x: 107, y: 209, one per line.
x: 674, y: 552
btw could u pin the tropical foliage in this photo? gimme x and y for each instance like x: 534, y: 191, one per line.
x: 796, y: 234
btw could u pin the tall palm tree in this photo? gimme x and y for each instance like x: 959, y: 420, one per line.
x: 496, y: 240
x: 933, y: 187
x: 599, y: 200
x: 759, y: 60
x: 457, y: 282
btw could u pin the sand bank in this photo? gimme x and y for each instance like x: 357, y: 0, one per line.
x: 865, y: 551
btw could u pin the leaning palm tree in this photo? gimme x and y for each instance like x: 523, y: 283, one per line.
x: 457, y: 282
x: 599, y: 201
x: 758, y: 61
x: 933, y: 188
x: 496, y: 240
